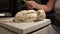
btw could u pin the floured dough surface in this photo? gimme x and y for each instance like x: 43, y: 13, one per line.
x: 30, y: 16
x: 25, y: 16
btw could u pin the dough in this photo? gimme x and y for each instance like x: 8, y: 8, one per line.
x: 41, y: 15
x: 25, y: 16
x: 29, y: 16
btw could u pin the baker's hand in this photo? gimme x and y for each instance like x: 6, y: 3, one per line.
x: 31, y: 4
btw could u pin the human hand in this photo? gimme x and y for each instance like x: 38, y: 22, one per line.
x: 31, y: 4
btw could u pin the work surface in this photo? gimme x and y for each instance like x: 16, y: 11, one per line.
x: 26, y: 27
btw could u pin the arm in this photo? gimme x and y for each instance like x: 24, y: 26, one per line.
x: 46, y: 7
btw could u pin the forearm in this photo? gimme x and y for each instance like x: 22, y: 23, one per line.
x: 48, y: 7
x: 44, y: 7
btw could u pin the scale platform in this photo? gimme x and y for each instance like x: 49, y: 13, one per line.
x: 23, y: 28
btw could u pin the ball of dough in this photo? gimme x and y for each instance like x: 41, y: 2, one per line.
x: 25, y: 16
x: 30, y: 16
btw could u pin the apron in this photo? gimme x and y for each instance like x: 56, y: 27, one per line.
x: 56, y: 20
x: 57, y: 10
